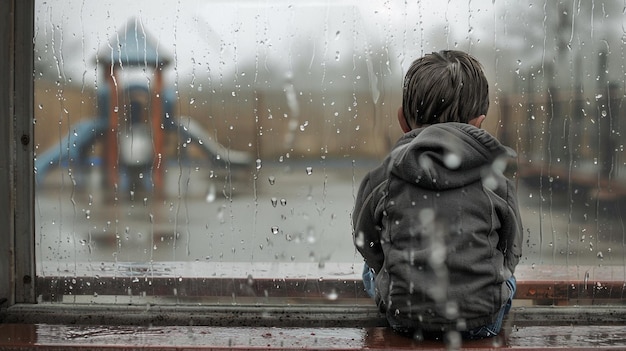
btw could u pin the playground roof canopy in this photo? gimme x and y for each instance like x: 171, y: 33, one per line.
x: 133, y: 47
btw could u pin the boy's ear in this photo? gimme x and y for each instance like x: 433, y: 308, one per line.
x: 477, y: 122
x: 402, y: 121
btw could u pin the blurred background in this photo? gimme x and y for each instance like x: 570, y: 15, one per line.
x: 239, y: 131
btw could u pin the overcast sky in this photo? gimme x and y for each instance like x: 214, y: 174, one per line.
x: 226, y: 39
x: 222, y: 36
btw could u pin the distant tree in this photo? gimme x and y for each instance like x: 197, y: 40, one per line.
x: 557, y: 43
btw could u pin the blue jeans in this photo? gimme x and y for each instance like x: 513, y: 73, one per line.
x: 368, y: 281
x: 477, y: 333
x: 493, y: 329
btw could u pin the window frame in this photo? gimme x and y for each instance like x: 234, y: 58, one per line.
x: 17, y: 263
x: 17, y: 270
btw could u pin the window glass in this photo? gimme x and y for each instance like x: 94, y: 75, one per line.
x: 207, y: 139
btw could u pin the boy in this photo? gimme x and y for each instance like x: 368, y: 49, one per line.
x: 437, y: 222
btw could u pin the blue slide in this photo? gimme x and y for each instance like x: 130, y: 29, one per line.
x: 218, y: 154
x: 71, y: 147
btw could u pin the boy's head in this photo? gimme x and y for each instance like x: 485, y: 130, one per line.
x: 445, y: 86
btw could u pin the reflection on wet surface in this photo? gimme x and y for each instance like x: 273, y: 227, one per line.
x: 248, y: 338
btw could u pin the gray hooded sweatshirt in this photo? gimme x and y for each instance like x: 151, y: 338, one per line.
x: 439, y: 224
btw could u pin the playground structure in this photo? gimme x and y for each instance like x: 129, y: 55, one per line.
x: 132, y: 122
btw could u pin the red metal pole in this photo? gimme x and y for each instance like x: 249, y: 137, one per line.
x: 157, y: 131
x: 111, y: 159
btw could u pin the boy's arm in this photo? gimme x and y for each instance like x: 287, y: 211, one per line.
x: 366, y: 225
x: 512, y: 230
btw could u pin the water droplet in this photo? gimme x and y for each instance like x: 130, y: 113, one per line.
x: 272, y: 180
x: 258, y: 164
x: 283, y: 202
x: 210, y: 195
x: 332, y: 295
x: 304, y: 125
x: 274, y: 201
x: 309, y: 170
x: 359, y: 240
x: 452, y: 160
x: 275, y: 230
x: 88, y: 214
x: 490, y: 182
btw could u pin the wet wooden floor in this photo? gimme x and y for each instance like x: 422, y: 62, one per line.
x: 67, y: 337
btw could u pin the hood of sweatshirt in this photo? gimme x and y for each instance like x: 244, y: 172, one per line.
x: 448, y: 155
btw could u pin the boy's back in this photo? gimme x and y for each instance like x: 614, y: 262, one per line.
x: 438, y: 224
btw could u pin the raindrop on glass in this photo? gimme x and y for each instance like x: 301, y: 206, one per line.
x: 210, y: 195
x: 452, y: 160
x: 359, y: 240
x: 332, y: 295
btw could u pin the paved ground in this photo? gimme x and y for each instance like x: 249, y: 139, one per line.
x: 290, y: 213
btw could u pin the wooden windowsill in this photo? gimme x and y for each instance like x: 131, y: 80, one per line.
x: 119, y: 337
x: 294, y: 306
x: 277, y: 283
